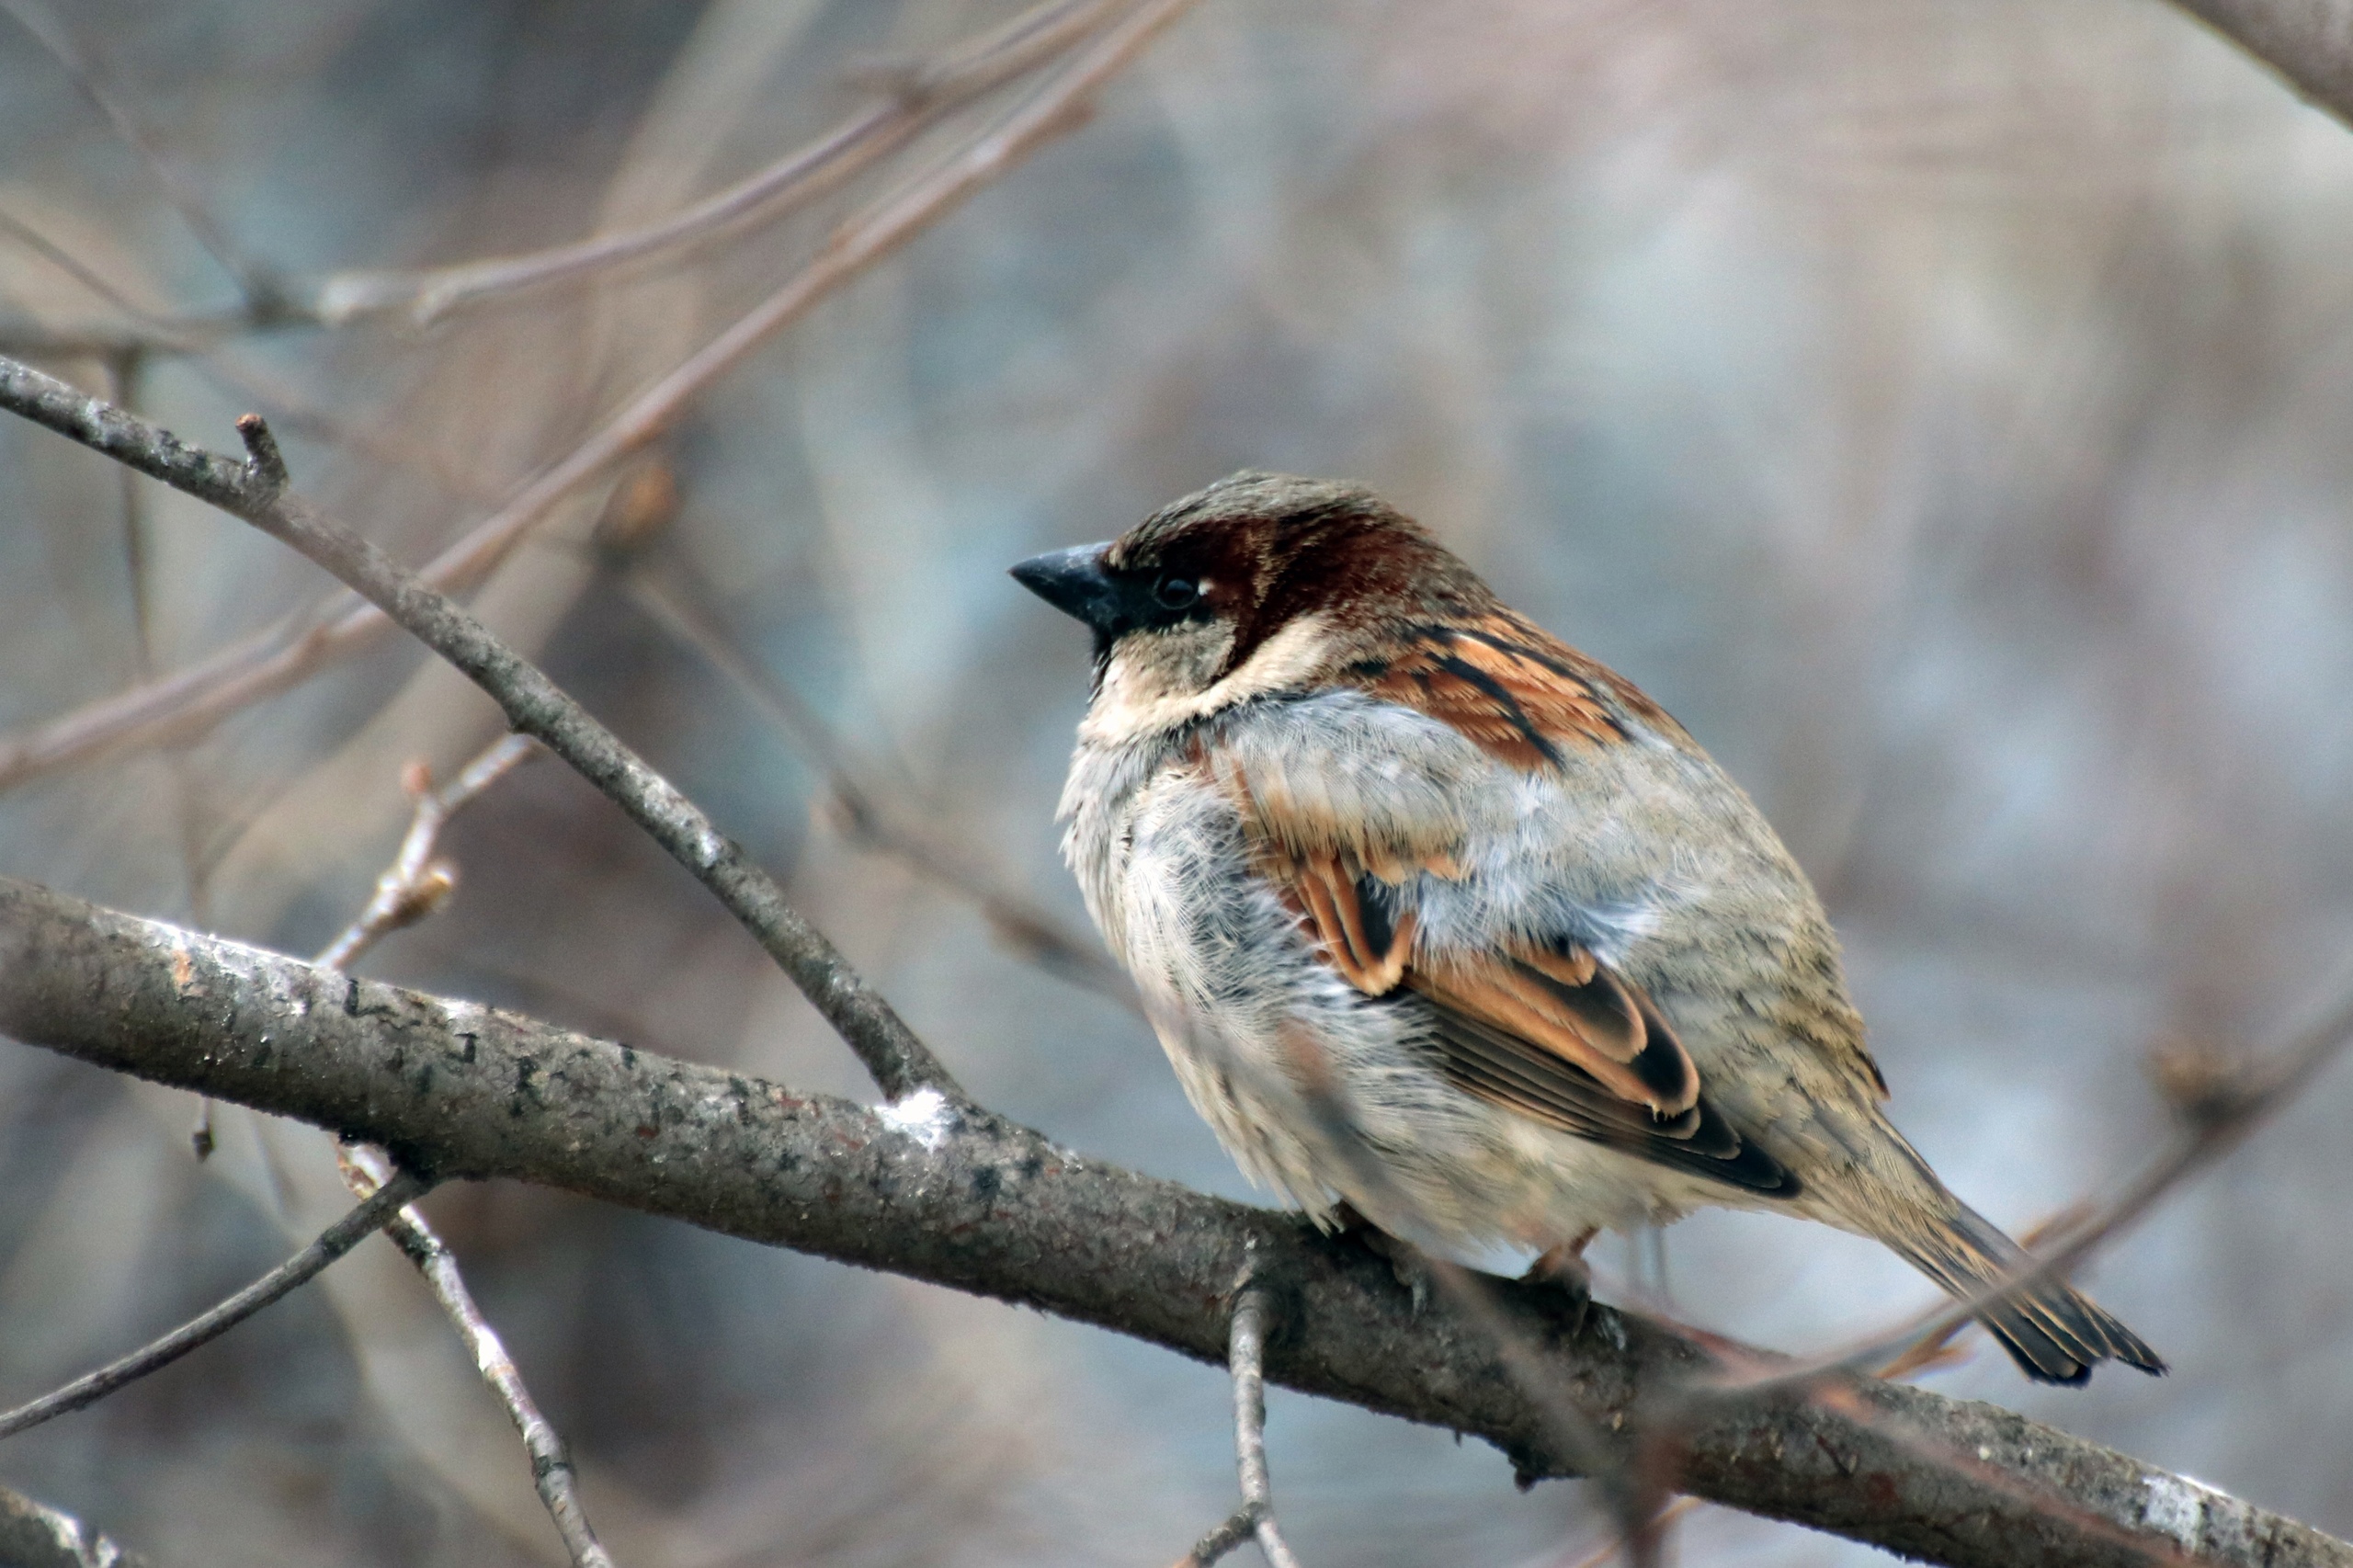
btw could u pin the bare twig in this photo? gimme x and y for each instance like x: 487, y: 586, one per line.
x: 333, y: 1243
x: 365, y: 1168
x: 409, y: 889
x: 974, y: 1202
x: 155, y: 334
x: 1237, y: 1528
x: 415, y: 883
x: 1246, y: 1363
x: 1615, y: 1544
x: 200, y: 696
x: 920, y: 95
x: 254, y: 491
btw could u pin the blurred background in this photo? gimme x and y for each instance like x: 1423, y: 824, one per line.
x: 1938, y: 404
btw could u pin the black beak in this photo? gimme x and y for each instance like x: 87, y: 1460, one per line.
x: 1074, y: 583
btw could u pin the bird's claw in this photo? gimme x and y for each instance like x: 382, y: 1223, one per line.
x: 1406, y: 1263
x: 1563, y: 1268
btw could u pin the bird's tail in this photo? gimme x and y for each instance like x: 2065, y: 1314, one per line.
x: 2054, y: 1332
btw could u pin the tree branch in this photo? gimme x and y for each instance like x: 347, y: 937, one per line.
x: 964, y: 1199
x: 924, y: 92
x: 256, y: 491
x: 189, y: 702
x: 363, y: 1221
x: 2308, y: 43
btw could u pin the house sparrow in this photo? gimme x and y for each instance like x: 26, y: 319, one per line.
x: 1441, y: 919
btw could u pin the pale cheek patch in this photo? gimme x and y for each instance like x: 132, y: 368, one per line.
x: 1157, y: 681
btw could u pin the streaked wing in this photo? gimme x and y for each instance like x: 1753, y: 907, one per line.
x: 1553, y: 1034
x: 1523, y: 695
x: 1502, y: 1067
x: 1548, y: 1031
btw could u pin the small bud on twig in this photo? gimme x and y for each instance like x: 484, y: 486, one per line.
x: 2204, y: 1084
x: 265, y: 462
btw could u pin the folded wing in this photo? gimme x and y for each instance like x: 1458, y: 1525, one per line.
x: 1542, y: 1028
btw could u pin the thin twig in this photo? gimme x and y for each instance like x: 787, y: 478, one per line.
x: 920, y: 96
x: 337, y: 1239
x: 1608, y: 1549
x: 126, y: 377
x: 259, y: 291
x: 156, y: 334
x: 1246, y: 1362
x: 364, y: 1168
x: 412, y: 887
x: 534, y: 705
x: 415, y: 883
x: 200, y: 696
x: 1238, y: 1528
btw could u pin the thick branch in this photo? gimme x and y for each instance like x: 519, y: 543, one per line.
x: 256, y: 491
x: 2308, y: 42
x: 964, y: 1199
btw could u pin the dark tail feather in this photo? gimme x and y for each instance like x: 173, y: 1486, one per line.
x: 2055, y: 1334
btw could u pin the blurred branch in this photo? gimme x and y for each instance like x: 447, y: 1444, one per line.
x: 186, y: 704
x: 2308, y: 43
x: 194, y: 331
x: 1608, y: 1549
x: 260, y: 292
x: 920, y: 95
x: 1246, y: 1362
x: 869, y: 819
x: 257, y: 492
x: 34, y: 1535
x: 2221, y: 1101
x: 965, y: 1198
x: 333, y: 1243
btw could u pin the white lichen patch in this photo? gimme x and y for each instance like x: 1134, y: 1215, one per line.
x: 235, y: 960
x: 922, y: 1116
x: 2176, y: 1505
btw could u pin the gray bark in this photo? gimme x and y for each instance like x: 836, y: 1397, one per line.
x: 974, y: 1202
x: 2308, y: 43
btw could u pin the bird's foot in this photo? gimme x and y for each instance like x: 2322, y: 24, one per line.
x: 1406, y: 1262
x: 1562, y: 1268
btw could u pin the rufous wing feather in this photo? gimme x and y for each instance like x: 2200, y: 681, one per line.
x: 1546, y: 1031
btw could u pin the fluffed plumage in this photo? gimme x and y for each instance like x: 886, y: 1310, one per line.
x: 1439, y: 917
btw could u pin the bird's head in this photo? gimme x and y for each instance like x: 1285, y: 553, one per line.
x: 1263, y: 583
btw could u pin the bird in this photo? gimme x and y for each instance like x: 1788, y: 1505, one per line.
x: 1449, y: 931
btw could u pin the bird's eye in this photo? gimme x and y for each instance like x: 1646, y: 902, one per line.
x: 1177, y: 593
